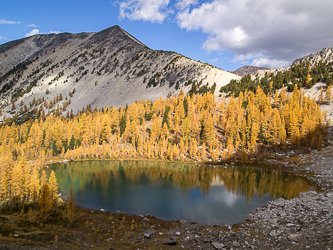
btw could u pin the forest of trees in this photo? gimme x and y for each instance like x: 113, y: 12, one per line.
x: 191, y: 127
x: 22, y: 182
x: 176, y: 128
x: 302, y: 75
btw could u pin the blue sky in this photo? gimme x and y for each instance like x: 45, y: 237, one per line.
x: 225, y: 33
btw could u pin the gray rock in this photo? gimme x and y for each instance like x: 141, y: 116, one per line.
x: 218, y: 245
x: 169, y: 242
x: 273, y: 233
x: 137, y: 240
x: 294, y: 236
x: 148, y: 234
x: 236, y: 244
x: 206, y: 240
x: 183, y: 221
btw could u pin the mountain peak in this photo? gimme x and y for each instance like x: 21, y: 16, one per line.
x: 114, y: 33
x: 110, y: 67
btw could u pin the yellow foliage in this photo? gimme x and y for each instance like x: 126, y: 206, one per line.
x: 239, y: 125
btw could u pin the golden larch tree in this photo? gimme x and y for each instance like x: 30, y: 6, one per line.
x: 53, y: 188
x: 45, y: 203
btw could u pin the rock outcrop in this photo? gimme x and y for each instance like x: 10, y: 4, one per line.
x: 245, y: 70
x: 325, y: 54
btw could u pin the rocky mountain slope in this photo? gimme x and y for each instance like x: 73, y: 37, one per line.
x: 325, y: 54
x: 110, y: 68
x: 324, y: 57
x: 245, y: 70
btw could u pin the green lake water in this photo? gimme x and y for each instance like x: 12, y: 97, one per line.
x: 170, y: 191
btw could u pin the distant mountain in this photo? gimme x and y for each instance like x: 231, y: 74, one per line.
x: 245, y: 70
x: 325, y: 54
x: 110, y: 68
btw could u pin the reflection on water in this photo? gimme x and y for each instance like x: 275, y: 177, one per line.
x: 200, y: 193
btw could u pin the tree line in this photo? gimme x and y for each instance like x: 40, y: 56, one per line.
x: 302, y: 75
x: 185, y: 127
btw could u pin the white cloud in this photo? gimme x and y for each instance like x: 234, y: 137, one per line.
x: 32, y: 25
x: 3, y: 21
x: 2, y: 38
x: 32, y: 33
x: 270, y: 63
x: 214, y: 60
x: 54, y: 32
x: 183, y: 4
x: 268, y: 33
x: 146, y: 10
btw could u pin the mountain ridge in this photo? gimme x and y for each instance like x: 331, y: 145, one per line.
x: 248, y: 69
x: 110, y: 67
x: 326, y: 54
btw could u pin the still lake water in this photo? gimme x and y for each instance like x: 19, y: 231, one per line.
x: 171, y: 191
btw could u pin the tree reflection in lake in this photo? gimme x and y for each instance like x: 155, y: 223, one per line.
x: 172, y: 190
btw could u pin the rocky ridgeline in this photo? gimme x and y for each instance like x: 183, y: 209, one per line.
x: 109, y: 68
x: 245, y: 70
x: 323, y: 55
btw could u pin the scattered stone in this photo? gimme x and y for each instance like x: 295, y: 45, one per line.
x: 273, y: 233
x: 206, y: 240
x: 169, y: 242
x: 148, y: 234
x: 217, y: 245
x: 183, y: 221
x: 294, y: 236
x: 137, y: 240
x: 236, y: 244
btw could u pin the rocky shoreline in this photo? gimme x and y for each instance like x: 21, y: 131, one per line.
x: 304, y: 222
x: 301, y: 223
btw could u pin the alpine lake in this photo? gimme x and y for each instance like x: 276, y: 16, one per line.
x: 205, y: 194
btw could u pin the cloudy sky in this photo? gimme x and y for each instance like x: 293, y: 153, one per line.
x: 226, y: 33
